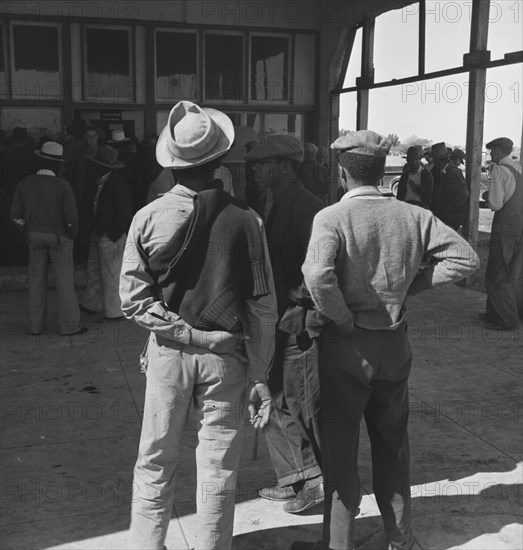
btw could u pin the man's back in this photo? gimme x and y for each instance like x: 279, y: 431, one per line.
x: 379, y: 244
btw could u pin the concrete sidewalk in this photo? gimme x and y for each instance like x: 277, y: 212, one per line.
x: 71, y: 410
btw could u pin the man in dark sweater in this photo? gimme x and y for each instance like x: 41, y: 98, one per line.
x: 292, y: 435
x: 365, y: 261
x: 197, y: 275
x: 110, y: 212
x: 44, y: 208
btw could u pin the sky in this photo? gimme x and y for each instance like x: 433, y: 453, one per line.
x: 437, y: 109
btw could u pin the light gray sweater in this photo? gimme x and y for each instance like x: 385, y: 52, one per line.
x: 365, y: 256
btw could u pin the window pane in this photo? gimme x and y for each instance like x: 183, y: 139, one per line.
x: 447, y: 34
x: 396, y: 38
x: 348, y: 108
x: 269, y: 68
x: 3, y: 72
x: 503, y: 98
x: 246, y: 128
x: 38, y: 121
x: 304, y: 69
x: 108, y: 65
x: 36, y: 70
x: 284, y: 123
x: 354, y: 67
x: 176, y: 65
x: 504, y: 33
x: 161, y: 120
x: 223, y: 67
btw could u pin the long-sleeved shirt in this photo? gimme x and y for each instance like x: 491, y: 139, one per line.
x: 46, y: 204
x: 365, y: 255
x: 502, y: 183
x: 152, y: 227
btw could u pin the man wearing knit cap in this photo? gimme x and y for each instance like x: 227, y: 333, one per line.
x: 503, y: 274
x: 292, y: 435
x: 364, y: 261
x: 197, y: 275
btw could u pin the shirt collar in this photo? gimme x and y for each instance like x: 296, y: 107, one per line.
x: 181, y: 190
x: 364, y: 190
x: 45, y: 172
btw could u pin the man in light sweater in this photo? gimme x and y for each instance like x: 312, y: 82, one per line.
x: 364, y: 259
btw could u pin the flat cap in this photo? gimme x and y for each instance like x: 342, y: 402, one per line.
x: 503, y: 142
x: 363, y: 142
x: 277, y: 145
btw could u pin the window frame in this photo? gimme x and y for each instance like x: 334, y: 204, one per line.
x: 177, y: 30
x: 132, y: 64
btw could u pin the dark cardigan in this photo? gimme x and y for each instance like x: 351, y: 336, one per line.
x: 214, y: 264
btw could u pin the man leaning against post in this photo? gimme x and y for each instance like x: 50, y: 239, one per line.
x: 363, y: 261
x: 197, y: 275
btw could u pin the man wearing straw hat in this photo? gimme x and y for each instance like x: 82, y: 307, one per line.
x: 197, y: 275
x: 44, y: 208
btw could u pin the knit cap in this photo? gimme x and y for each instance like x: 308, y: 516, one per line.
x: 277, y: 145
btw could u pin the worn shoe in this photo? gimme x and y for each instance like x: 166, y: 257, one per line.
x: 301, y: 545
x: 81, y: 330
x: 277, y: 493
x: 309, y: 495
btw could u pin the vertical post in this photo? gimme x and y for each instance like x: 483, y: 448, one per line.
x: 150, y: 113
x: 421, y: 51
x: 367, y: 74
x: 476, y: 59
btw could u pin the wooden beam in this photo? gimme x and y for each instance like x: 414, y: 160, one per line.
x: 340, y: 61
x: 421, y: 40
x: 475, y: 117
x: 367, y: 75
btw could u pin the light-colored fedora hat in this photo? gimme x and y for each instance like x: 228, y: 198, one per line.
x: 117, y: 136
x: 107, y: 157
x: 51, y: 151
x: 193, y: 136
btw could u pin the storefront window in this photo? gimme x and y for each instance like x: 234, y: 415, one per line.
x: 3, y: 66
x: 36, y: 71
x: 224, y: 67
x: 269, y: 68
x: 36, y: 120
x: 247, y: 127
x: 176, y: 65
x: 109, y: 71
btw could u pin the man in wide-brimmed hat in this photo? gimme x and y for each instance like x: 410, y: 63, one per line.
x: 109, y: 207
x: 196, y: 274
x: 503, y: 274
x: 366, y: 259
x: 293, y: 434
x: 415, y: 185
x: 44, y: 207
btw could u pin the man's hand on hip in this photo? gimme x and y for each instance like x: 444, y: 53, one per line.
x: 220, y: 342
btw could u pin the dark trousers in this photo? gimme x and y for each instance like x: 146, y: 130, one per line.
x: 364, y: 374
x: 292, y: 434
x: 502, y: 276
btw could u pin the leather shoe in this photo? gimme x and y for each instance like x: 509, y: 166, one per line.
x: 309, y: 495
x: 301, y: 545
x: 277, y: 493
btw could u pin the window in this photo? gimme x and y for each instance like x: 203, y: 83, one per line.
x: 284, y: 123
x: 108, y: 64
x: 3, y: 66
x: 176, y: 65
x: 396, y: 38
x: 269, y: 68
x: 224, y: 67
x: 37, y: 120
x: 354, y: 66
x: 504, y: 32
x: 247, y: 127
x: 36, y: 70
x: 303, y: 92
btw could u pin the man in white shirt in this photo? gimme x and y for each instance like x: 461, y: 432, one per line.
x: 505, y: 198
